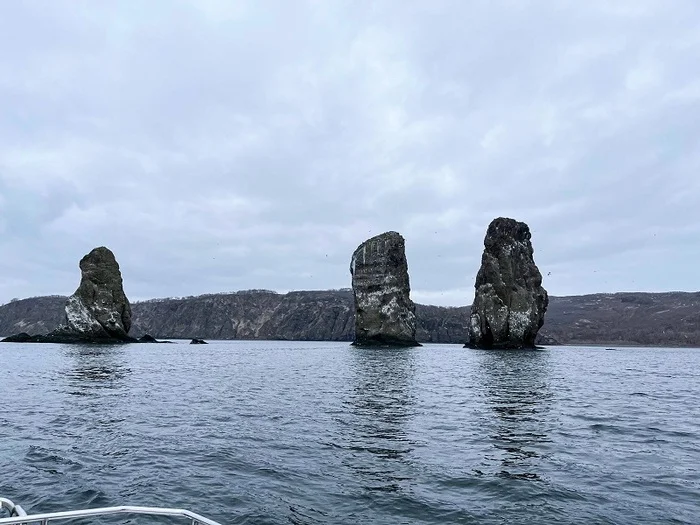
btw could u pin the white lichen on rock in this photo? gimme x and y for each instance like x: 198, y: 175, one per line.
x: 80, y: 319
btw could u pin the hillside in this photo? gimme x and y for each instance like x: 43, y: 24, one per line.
x: 36, y: 315
x: 655, y: 319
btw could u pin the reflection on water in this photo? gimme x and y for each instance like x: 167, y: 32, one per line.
x: 380, y: 405
x: 98, y: 375
x: 516, y: 387
x: 325, y: 433
x: 95, y: 368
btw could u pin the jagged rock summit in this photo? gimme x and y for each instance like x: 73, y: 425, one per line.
x: 384, y: 312
x: 510, y: 302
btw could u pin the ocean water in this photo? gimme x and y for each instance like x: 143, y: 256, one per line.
x: 307, y: 433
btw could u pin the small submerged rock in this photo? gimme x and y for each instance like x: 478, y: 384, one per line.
x: 510, y: 302
x: 198, y: 342
x: 148, y: 338
x: 547, y: 340
x: 22, y: 337
x: 384, y: 312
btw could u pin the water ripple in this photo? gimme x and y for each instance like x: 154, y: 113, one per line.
x: 308, y: 433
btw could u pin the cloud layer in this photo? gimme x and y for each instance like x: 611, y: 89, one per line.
x: 217, y: 146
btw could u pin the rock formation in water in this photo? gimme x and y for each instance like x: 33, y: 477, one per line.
x: 98, y: 311
x: 384, y: 312
x: 99, y: 308
x: 510, y: 302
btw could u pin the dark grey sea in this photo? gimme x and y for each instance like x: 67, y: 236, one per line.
x: 308, y: 433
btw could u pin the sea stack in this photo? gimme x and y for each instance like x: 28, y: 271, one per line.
x: 510, y: 302
x: 384, y: 312
x: 98, y: 310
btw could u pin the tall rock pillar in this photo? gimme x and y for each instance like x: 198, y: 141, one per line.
x: 510, y: 302
x: 99, y: 308
x: 384, y: 312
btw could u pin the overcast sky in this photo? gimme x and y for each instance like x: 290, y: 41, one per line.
x: 219, y: 145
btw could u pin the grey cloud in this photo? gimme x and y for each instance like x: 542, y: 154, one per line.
x: 219, y: 146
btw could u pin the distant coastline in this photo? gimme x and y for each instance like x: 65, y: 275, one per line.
x: 664, y: 319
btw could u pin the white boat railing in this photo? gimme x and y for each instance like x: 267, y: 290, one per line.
x: 18, y: 516
x: 9, y: 506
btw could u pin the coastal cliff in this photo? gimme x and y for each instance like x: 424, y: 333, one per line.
x: 36, y: 315
x: 255, y: 314
x: 653, y: 319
